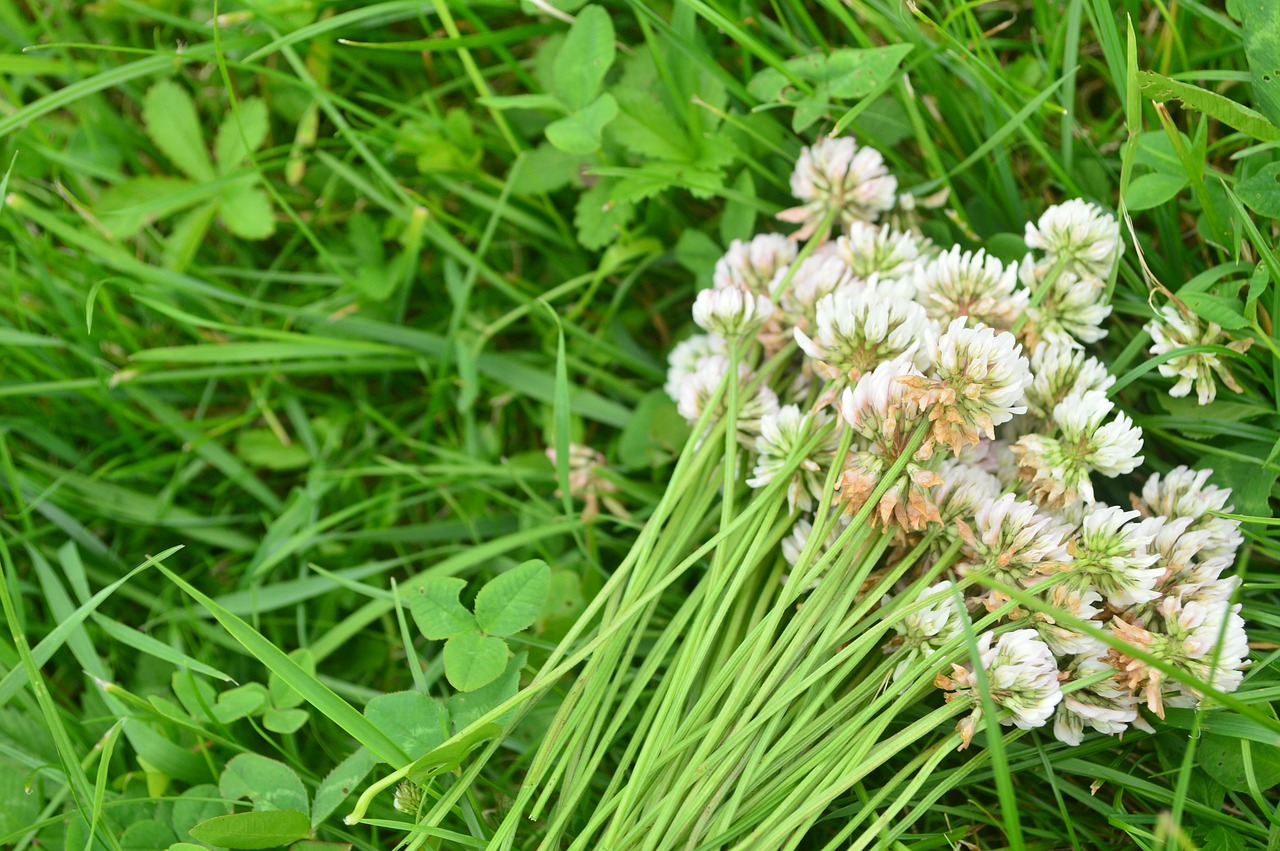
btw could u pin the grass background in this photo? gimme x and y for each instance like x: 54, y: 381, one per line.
x: 367, y: 393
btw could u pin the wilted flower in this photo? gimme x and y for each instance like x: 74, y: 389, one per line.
x: 836, y: 177
x: 858, y: 330
x: 1173, y: 330
x: 1013, y: 542
x: 1084, y: 234
x: 1062, y: 638
x: 1059, y: 370
x: 1105, y: 706
x: 1071, y: 309
x: 585, y: 481
x: 731, y: 312
x: 922, y: 632
x: 1183, y: 492
x: 870, y: 250
x: 781, y: 434
x: 1111, y: 555
x: 1022, y: 677
x: 973, y: 284
x: 1058, y: 468
x: 977, y: 382
x: 756, y: 265
x: 687, y: 357
x: 697, y: 389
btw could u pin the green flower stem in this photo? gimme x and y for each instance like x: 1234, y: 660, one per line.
x: 821, y: 235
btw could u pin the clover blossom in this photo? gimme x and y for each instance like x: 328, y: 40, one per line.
x: 686, y: 358
x: 870, y: 250
x: 1062, y: 638
x: 1058, y: 371
x: 585, y: 481
x: 1013, y: 542
x: 922, y: 632
x: 756, y: 265
x: 1111, y: 555
x: 820, y: 274
x: 859, y: 329
x: 1105, y: 706
x: 1067, y: 308
x: 782, y: 433
x: 1172, y: 330
x: 835, y: 177
x: 1084, y: 234
x: 1183, y: 492
x: 1058, y: 469
x: 1188, y: 573
x: 1022, y: 678
x: 697, y: 389
x: 731, y: 312
x: 971, y: 283
x: 793, y: 545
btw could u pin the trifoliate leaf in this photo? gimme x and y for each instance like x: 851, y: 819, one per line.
x: 466, y: 707
x: 415, y: 721
x: 170, y: 118
x: 599, y: 216
x: 129, y: 206
x: 247, y: 212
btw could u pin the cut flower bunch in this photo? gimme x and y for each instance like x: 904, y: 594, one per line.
x: 897, y: 480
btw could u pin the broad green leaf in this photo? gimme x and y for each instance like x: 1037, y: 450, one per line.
x: 599, y: 217
x: 1262, y: 49
x: 585, y: 58
x: 646, y: 127
x: 413, y: 720
x: 513, y: 600
x: 1227, y: 312
x: 546, y: 169
x: 810, y: 109
x: 128, y: 207
x: 260, y: 447
x: 269, y: 784
x: 1261, y: 191
x: 1151, y: 190
x: 449, y: 756
x: 436, y: 610
x: 854, y: 73
x: 230, y: 147
x: 472, y: 660
x: 247, y: 212
x: 1223, y: 759
x: 251, y: 831
x: 198, y: 803
x: 285, y: 721
x: 340, y: 783
x: 738, y: 221
x: 169, y: 115
x: 466, y: 707
x: 1214, y: 105
x: 580, y: 132
x: 1222, y: 839
x: 147, y: 835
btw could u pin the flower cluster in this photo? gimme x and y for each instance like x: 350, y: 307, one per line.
x: 979, y: 431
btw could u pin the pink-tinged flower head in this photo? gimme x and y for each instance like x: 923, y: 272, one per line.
x: 869, y: 250
x: 756, y: 265
x: 836, y: 177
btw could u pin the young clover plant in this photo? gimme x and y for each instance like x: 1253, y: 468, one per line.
x: 220, y: 186
x: 475, y: 650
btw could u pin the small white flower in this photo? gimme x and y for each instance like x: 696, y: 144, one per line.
x: 1188, y: 573
x: 1106, y: 706
x: 781, y: 434
x: 1013, y: 542
x: 1062, y: 638
x: 1058, y: 468
x: 1083, y: 233
x: 756, y: 265
x: 1111, y: 555
x: 687, y: 356
x: 870, y: 250
x: 834, y: 175
x: 822, y: 273
x: 697, y: 389
x: 976, y: 384
x: 1022, y: 676
x: 1071, y: 309
x: 1172, y: 330
x: 965, y: 489
x: 974, y: 284
x: 1183, y: 492
x: 922, y: 632
x: 732, y: 313
x: 858, y: 330
x: 1058, y: 371
x: 585, y: 481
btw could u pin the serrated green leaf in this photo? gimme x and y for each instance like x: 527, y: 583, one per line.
x: 472, y: 660
x: 338, y: 785
x: 170, y: 118
x: 585, y: 58
x: 646, y: 128
x: 513, y: 600
x: 546, y: 169
x: 252, y: 831
x: 599, y: 217
x: 237, y: 139
x: 1214, y: 105
x: 1260, y: 191
x: 415, y: 721
x: 436, y: 610
x: 269, y: 784
x: 1262, y: 49
x: 579, y: 133
x: 1151, y: 190
x: 247, y: 212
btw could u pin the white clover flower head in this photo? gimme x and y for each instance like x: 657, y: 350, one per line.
x: 1112, y: 555
x: 1062, y: 638
x: 870, y: 250
x: 698, y: 388
x: 407, y: 798
x: 1012, y: 541
x: 1184, y: 492
x: 879, y: 410
x: 1188, y: 574
x: 1058, y: 371
x: 686, y: 357
x: 1022, y: 677
x: 964, y: 490
x: 858, y: 330
x: 1083, y: 233
x: 1206, y: 641
x: 924, y: 631
x: 835, y: 176
x: 732, y: 312
x: 1105, y: 706
x: 585, y: 481
x: 970, y: 283
x: 1071, y: 309
x: 781, y: 434
x: 820, y: 274
x: 755, y: 265
x: 977, y: 383
x: 1058, y: 468
x: 1172, y: 330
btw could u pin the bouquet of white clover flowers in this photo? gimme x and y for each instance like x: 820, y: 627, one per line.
x: 891, y: 481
